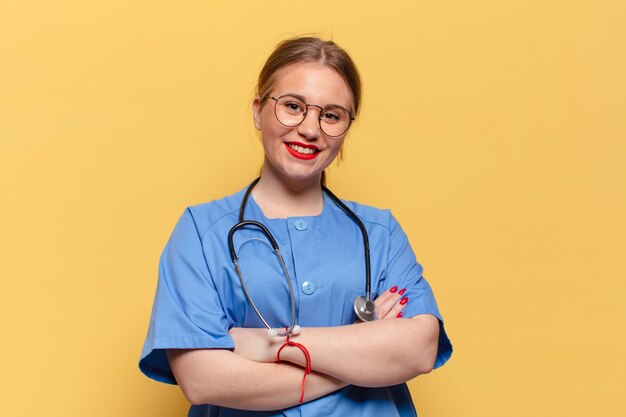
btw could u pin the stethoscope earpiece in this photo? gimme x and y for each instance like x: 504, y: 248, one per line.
x: 275, y: 332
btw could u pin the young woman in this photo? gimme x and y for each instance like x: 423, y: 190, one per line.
x: 204, y: 332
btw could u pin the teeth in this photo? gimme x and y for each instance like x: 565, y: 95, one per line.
x: 302, y: 149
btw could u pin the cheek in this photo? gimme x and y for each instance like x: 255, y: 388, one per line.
x: 271, y: 134
x: 272, y: 137
x: 269, y: 126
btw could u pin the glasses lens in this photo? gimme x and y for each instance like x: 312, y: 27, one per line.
x: 290, y: 110
x: 334, y: 120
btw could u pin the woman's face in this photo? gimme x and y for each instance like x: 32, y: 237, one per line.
x: 318, y: 85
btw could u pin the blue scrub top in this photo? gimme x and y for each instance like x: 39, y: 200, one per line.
x: 199, y: 296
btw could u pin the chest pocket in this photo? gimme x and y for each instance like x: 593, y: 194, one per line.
x: 266, y: 284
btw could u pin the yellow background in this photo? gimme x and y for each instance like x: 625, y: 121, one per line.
x: 494, y: 130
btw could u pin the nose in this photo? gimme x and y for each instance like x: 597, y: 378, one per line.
x: 310, y: 126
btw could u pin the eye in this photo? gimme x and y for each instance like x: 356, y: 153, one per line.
x: 291, y: 105
x: 334, y: 115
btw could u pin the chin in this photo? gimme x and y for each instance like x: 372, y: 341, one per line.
x: 303, y: 177
x: 299, y: 174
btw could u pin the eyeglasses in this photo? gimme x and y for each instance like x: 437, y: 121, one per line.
x: 290, y: 111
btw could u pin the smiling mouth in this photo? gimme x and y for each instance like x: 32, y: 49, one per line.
x: 302, y: 149
x: 302, y: 152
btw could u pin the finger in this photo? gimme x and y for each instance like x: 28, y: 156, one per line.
x: 392, y: 311
x: 385, y: 307
x: 396, y: 310
x: 384, y: 297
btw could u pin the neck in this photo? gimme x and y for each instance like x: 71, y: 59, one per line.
x: 281, y: 198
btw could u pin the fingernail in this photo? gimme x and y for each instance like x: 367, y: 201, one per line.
x: 404, y: 300
x: 393, y: 289
x: 399, y: 315
x: 401, y: 292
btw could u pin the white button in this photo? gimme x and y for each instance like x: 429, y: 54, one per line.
x: 300, y: 225
x: 308, y: 287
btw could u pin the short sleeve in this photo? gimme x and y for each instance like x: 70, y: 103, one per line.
x: 405, y: 272
x: 187, y: 312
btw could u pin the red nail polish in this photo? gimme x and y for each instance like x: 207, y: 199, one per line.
x: 401, y: 292
x: 404, y: 300
x: 399, y: 315
x: 393, y: 289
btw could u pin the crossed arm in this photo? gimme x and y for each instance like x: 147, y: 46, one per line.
x: 380, y: 353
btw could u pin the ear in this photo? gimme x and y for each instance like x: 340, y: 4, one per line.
x: 256, y: 112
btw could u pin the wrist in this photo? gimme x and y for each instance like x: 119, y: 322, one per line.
x: 289, y: 357
x: 289, y: 352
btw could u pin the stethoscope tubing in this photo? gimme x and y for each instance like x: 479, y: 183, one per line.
x: 366, y: 241
x: 293, y: 328
x: 276, y: 250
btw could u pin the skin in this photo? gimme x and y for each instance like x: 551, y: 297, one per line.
x: 363, y: 354
x: 380, y: 353
x: 290, y: 186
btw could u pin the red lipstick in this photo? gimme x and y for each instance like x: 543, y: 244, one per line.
x: 295, y: 153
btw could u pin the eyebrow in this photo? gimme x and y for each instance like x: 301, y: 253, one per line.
x: 296, y: 96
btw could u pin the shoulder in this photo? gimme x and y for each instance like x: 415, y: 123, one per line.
x: 370, y: 215
x: 212, y: 214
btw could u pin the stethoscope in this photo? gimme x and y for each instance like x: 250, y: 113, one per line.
x: 363, y: 306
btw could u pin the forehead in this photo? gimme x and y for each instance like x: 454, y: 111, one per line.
x: 317, y: 83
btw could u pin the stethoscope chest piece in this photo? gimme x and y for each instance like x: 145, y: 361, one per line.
x: 364, y: 309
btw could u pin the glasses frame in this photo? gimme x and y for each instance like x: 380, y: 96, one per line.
x: 307, y: 105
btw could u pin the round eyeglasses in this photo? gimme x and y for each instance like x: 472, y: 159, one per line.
x: 290, y: 111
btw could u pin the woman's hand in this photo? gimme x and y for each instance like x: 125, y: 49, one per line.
x: 389, y: 305
x: 254, y: 344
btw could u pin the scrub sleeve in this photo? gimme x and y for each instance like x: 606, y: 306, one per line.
x: 187, y: 312
x: 405, y: 272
